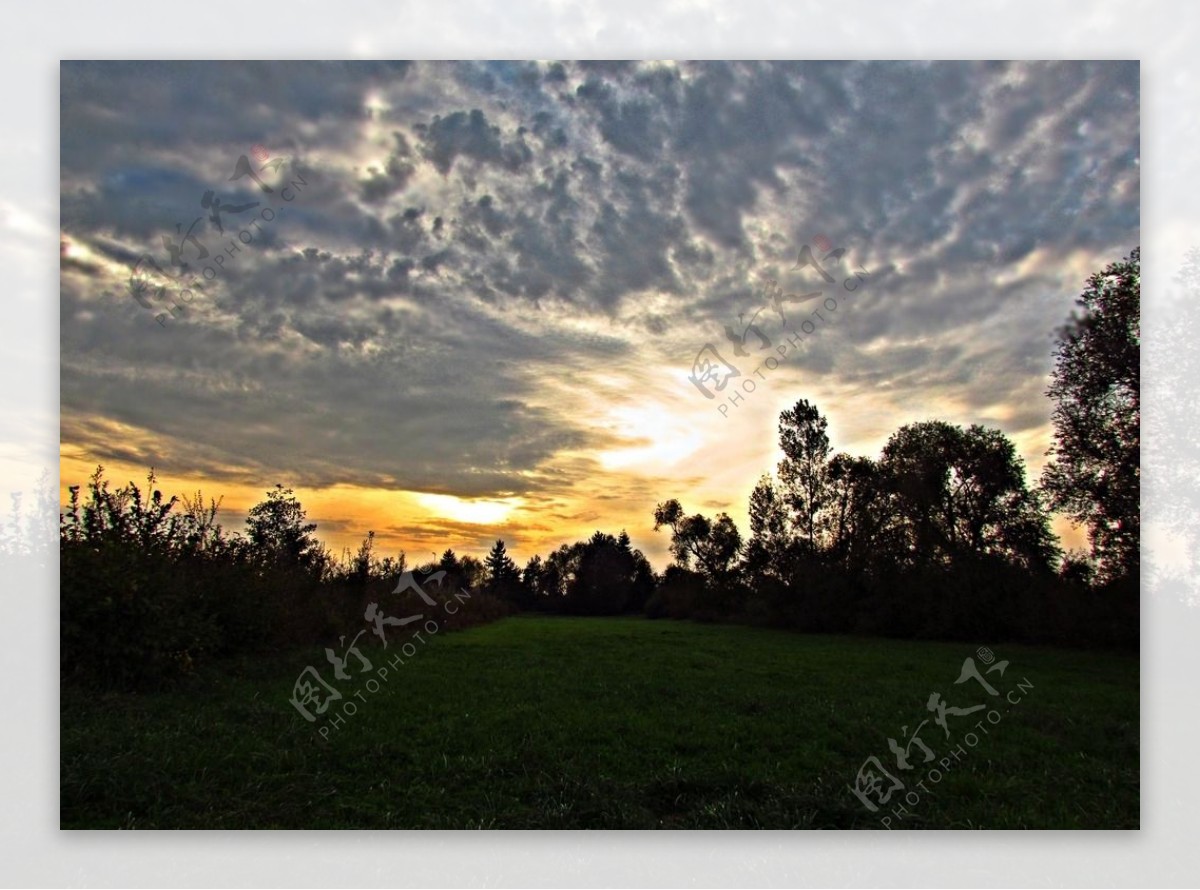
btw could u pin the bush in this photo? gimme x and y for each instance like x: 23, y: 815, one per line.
x: 148, y: 594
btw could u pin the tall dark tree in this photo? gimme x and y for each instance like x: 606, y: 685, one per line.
x: 449, y: 561
x: 766, y: 549
x: 503, y: 577
x: 562, y: 566
x: 964, y: 491
x: 641, y: 579
x: 804, y: 439
x: 644, y: 582
x: 278, y: 533
x: 550, y: 581
x: 532, y: 574
x: 862, y: 519
x: 604, y: 578
x: 1094, y: 475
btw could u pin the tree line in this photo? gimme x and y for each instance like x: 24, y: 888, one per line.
x: 939, y: 536
x: 151, y: 588
x: 942, y: 535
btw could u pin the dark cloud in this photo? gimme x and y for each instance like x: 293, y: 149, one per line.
x: 397, y: 171
x: 469, y: 135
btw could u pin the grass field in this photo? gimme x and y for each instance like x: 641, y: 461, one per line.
x: 614, y: 723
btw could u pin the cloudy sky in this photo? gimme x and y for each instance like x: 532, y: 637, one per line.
x: 478, y: 299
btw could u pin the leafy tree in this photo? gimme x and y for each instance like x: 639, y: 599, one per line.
x: 804, y: 439
x: 532, y: 574
x: 602, y: 583
x: 561, y: 568
x: 766, y: 550
x: 964, y: 491
x: 713, y: 544
x: 917, y: 460
x: 542, y: 579
x: 464, y: 572
x: 601, y: 576
x: 681, y: 594
x: 149, y: 592
x: 862, y: 521
x: 643, y: 584
x: 1094, y: 475
x: 638, y: 579
x: 122, y: 517
x: 278, y: 533
x: 473, y: 572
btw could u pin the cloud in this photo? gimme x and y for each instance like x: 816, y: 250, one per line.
x: 485, y: 260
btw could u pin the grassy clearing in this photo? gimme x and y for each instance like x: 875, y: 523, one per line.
x: 611, y: 723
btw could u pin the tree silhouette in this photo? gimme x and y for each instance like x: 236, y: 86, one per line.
x: 279, y: 535
x: 802, y: 472
x: 964, y: 491
x: 503, y: 578
x: 863, y: 522
x: 767, y: 547
x: 1094, y: 475
x: 713, y: 544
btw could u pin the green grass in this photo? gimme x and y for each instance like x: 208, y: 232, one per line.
x: 610, y: 723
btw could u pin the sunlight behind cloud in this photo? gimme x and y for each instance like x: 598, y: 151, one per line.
x: 478, y: 511
x: 667, y: 439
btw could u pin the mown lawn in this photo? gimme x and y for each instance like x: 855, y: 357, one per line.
x: 614, y: 723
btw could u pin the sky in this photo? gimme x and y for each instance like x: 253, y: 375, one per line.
x: 489, y: 300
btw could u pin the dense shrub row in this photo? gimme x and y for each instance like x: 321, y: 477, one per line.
x: 150, y: 591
